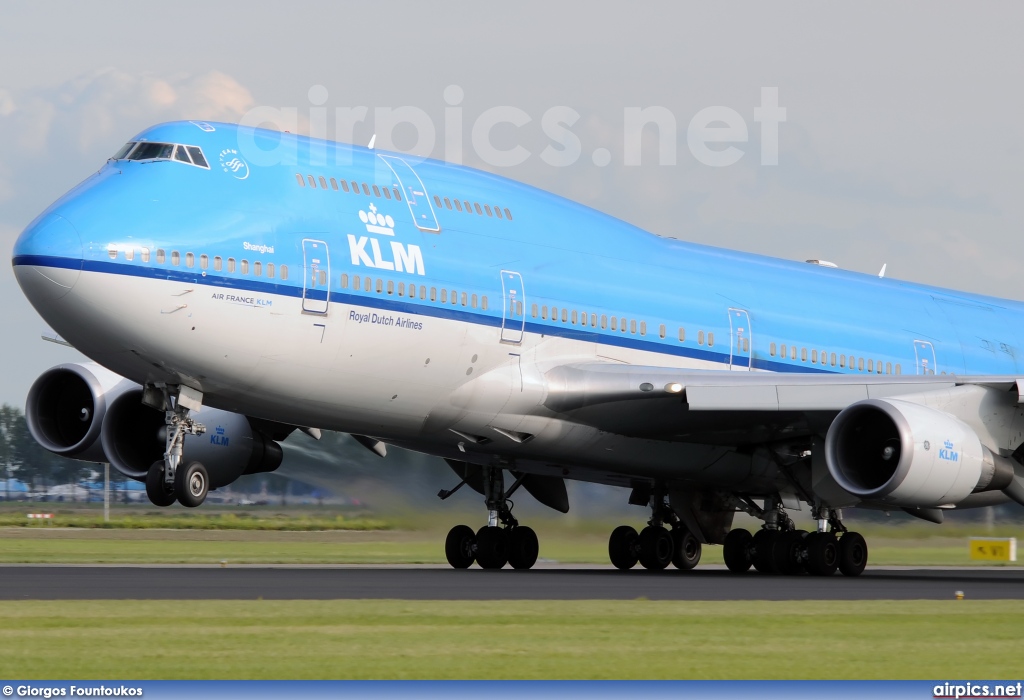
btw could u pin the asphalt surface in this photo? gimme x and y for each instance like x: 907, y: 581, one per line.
x: 111, y: 582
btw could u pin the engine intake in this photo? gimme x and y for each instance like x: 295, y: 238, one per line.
x: 898, y: 452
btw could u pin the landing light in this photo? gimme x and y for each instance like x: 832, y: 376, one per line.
x: 674, y: 388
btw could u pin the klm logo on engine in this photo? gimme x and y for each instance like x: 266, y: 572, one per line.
x: 386, y: 255
x: 219, y: 438
x: 948, y: 453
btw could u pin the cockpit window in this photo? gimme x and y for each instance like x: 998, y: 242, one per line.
x: 124, y: 150
x: 146, y: 150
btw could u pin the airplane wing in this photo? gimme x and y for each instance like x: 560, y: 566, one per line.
x: 719, y: 407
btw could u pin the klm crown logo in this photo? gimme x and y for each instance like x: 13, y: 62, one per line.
x: 377, y: 222
x: 948, y: 453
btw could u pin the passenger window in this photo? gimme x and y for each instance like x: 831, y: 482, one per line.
x: 391, y: 287
x: 284, y: 272
x: 444, y: 296
x: 190, y: 260
x: 323, y: 182
x: 423, y: 292
x: 401, y: 289
x: 257, y: 268
x: 344, y: 281
x: 792, y: 352
x: 878, y: 367
x: 682, y: 335
x: 270, y: 271
x: 321, y: 276
x: 355, y: 187
x: 197, y: 157
x: 129, y: 254
x: 312, y: 182
x: 367, y: 284
x: 575, y: 318
x: 604, y: 321
x: 661, y: 331
x: 145, y: 255
x: 376, y: 191
x: 204, y: 262
x: 508, y: 215
x: 487, y: 208
x: 455, y: 300
x: 344, y: 186
x: 565, y: 315
x: 622, y: 324
x: 468, y: 207
x: 632, y: 325
x: 803, y: 354
x: 231, y: 264
x: 784, y: 352
x: 334, y: 184
x: 175, y: 258
x: 615, y: 323
x: 711, y: 342
x: 112, y: 251
x: 643, y: 329
x: 544, y: 312
x: 366, y: 190
x: 533, y: 310
x: 398, y: 195
x: 380, y: 286
x: 387, y: 193
x: 483, y: 303
x: 700, y: 337
x: 458, y: 205
x: 244, y: 268
x: 832, y: 357
x: 465, y: 302
x: 814, y: 357
x: 497, y: 212
x: 771, y: 349
x: 899, y: 370
x: 437, y: 201
x: 447, y: 203
x: 473, y: 302
x: 860, y: 364
x: 842, y: 360
x: 433, y: 294
x: 301, y: 180
x: 218, y: 263
x: 161, y: 256
x: 888, y: 368
x: 477, y: 207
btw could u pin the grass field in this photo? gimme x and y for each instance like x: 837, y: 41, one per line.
x: 511, y: 639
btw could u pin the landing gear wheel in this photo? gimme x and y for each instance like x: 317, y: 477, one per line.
x: 491, y: 547
x: 686, y: 549
x: 458, y: 547
x: 736, y: 550
x: 853, y: 554
x: 655, y: 548
x: 160, y: 494
x: 191, y: 483
x: 764, y: 543
x: 522, y: 547
x: 788, y: 552
x: 822, y: 553
x: 622, y: 547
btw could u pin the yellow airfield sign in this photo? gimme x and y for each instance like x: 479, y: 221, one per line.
x: 993, y: 548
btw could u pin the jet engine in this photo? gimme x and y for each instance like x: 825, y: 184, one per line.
x: 85, y: 412
x: 897, y: 452
x: 66, y: 406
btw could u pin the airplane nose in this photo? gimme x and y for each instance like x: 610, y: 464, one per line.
x: 48, y: 258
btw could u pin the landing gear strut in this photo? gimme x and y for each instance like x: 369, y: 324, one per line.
x: 167, y: 479
x: 655, y: 547
x: 502, y: 541
x: 780, y: 548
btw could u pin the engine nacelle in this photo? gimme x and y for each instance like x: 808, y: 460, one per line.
x: 898, y: 452
x: 66, y: 406
x: 133, y: 438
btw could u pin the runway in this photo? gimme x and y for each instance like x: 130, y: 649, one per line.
x: 113, y: 582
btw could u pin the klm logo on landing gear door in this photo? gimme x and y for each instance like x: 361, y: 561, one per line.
x: 383, y: 253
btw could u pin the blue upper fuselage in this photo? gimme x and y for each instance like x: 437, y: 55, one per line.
x: 279, y: 199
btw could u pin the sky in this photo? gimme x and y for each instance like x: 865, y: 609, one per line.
x: 903, y: 141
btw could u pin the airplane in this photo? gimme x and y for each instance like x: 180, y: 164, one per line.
x: 524, y: 338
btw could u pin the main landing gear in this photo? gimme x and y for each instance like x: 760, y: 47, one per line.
x: 502, y: 541
x: 167, y: 480
x: 655, y: 547
x: 779, y: 548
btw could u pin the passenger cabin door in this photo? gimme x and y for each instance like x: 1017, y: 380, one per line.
x: 740, y: 340
x: 924, y: 352
x: 513, y: 318
x: 416, y: 197
x: 316, y: 276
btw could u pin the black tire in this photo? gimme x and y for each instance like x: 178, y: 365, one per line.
x: 822, y: 554
x: 686, y: 549
x: 655, y: 548
x: 762, y: 556
x: 853, y: 554
x: 623, y: 547
x: 191, y: 483
x: 789, y: 552
x: 160, y: 494
x: 737, y: 550
x: 458, y: 547
x: 491, y: 547
x: 523, y: 547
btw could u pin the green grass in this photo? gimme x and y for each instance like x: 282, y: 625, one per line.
x: 193, y: 521
x: 509, y: 639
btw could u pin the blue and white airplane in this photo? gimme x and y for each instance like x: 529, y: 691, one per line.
x: 522, y: 337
